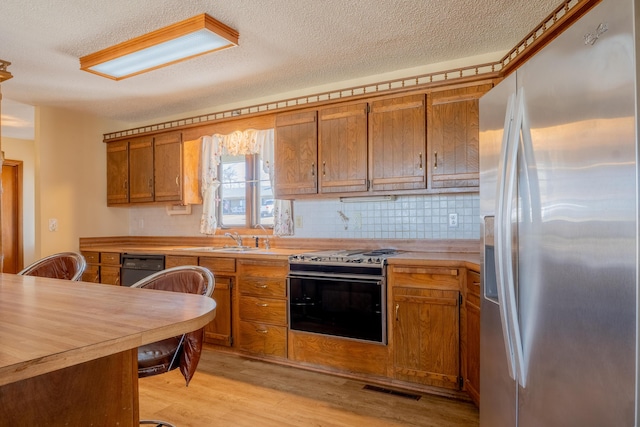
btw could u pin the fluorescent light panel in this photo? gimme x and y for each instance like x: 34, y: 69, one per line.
x: 183, y: 40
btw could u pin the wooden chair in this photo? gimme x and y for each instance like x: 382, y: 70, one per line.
x: 63, y: 265
x: 183, y: 351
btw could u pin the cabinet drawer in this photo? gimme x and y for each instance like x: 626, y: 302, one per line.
x: 91, y: 257
x: 473, y: 282
x: 111, y: 258
x: 261, y: 338
x: 425, y: 277
x: 177, y: 260
x: 263, y: 286
x: 218, y: 264
x: 263, y: 268
x: 267, y: 310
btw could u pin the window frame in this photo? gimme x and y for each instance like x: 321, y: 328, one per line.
x: 252, y: 196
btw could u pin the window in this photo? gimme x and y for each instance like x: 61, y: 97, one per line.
x: 245, y: 193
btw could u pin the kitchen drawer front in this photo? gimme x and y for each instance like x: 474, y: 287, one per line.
x: 179, y: 260
x: 91, y: 257
x: 267, y: 310
x: 260, y: 338
x: 91, y: 274
x: 263, y: 268
x: 473, y: 283
x: 263, y: 286
x: 215, y: 264
x: 111, y: 258
x: 425, y: 277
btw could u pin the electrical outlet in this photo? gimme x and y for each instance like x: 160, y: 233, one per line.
x: 453, y: 220
x: 53, y: 224
x: 299, y: 221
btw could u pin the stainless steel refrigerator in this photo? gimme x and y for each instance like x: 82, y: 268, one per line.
x: 559, y: 206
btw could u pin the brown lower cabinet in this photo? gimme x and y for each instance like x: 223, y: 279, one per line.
x: 262, y: 307
x: 218, y: 331
x: 472, y: 339
x: 425, y: 325
x: 102, y: 267
x: 433, y: 321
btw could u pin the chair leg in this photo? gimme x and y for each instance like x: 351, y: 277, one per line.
x: 157, y: 423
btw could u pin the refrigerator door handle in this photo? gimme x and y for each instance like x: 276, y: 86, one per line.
x: 509, y: 274
x: 501, y: 257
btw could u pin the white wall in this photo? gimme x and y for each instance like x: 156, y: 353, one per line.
x: 24, y: 150
x: 70, y: 180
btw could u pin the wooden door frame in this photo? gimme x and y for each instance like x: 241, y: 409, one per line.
x: 19, y: 164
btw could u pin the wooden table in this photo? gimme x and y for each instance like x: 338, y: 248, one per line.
x: 68, y: 350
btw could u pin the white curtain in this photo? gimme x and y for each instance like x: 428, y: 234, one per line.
x: 210, y: 159
x: 250, y: 141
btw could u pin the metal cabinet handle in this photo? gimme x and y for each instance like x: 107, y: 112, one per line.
x: 177, y: 180
x: 420, y: 164
x: 313, y: 169
x: 435, y: 163
x: 476, y: 283
x: 150, y: 183
x: 262, y: 331
x: 324, y: 168
x: 262, y: 304
x: 124, y: 185
x: 261, y: 286
x: 397, y: 308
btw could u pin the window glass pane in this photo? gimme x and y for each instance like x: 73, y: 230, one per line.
x: 265, y: 196
x: 233, y: 196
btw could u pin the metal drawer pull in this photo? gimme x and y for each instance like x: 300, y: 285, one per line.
x: 313, y: 169
x: 420, y: 165
x: 262, y: 304
x: 262, y: 331
x: 476, y: 283
x: 324, y: 168
x: 435, y: 164
x: 261, y: 286
x: 397, y: 308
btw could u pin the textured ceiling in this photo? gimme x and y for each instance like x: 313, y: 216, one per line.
x: 285, y: 45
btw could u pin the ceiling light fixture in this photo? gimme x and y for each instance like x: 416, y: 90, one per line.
x: 183, y: 40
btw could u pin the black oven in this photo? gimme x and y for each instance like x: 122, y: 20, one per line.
x: 338, y: 303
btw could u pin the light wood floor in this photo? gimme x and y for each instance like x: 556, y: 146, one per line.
x: 232, y: 391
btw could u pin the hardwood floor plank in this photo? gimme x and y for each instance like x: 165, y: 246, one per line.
x: 229, y: 390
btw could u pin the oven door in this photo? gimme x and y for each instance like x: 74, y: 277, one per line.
x: 344, y: 306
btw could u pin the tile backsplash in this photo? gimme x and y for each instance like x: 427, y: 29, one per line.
x: 406, y: 217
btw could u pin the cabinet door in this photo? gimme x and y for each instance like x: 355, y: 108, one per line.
x: 296, y: 154
x: 453, y: 134
x: 117, y: 173
x: 141, y: 170
x: 167, y: 168
x: 398, y: 143
x: 472, y: 342
x: 218, y: 331
x: 342, y: 148
x: 426, y: 336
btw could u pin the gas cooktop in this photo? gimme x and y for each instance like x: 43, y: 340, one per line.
x: 351, y: 256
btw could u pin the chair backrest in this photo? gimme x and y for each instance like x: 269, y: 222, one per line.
x: 165, y: 355
x: 189, y: 279
x: 63, y: 265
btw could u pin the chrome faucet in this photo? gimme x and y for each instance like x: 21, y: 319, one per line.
x: 267, y: 245
x: 236, y: 237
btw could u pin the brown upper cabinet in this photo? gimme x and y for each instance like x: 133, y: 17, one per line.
x: 117, y: 173
x: 453, y: 133
x: 342, y: 147
x: 398, y: 145
x: 148, y: 169
x: 296, y: 154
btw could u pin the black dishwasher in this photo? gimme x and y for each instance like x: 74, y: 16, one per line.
x: 138, y: 266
